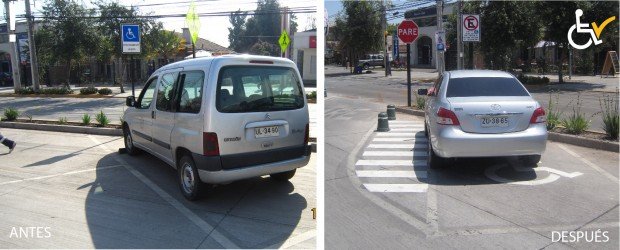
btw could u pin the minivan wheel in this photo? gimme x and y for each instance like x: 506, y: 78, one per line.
x: 284, y: 176
x: 435, y: 161
x: 531, y: 160
x: 189, y: 180
x: 128, y: 138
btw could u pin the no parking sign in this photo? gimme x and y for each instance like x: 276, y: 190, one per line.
x: 471, y: 28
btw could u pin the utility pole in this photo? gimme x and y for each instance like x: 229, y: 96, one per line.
x: 10, y: 22
x: 440, y: 54
x: 386, y: 59
x: 34, y: 65
x: 459, y: 36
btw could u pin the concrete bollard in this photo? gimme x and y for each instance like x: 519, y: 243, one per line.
x: 391, y: 112
x: 382, y: 123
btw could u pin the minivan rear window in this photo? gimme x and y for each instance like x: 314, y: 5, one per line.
x: 243, y: 89
x: 485, y: 86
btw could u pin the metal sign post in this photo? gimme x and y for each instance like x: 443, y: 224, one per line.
x: 408, y: 33
x: 130, y: 38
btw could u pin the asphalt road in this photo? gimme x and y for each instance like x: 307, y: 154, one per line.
x: 377, y: 87
x: 77, y: 191
x: 476, y: 204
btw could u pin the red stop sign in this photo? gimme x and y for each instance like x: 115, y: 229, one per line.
x: 408, y: 31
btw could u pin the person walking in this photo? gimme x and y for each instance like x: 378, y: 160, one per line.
x: 6, y: 142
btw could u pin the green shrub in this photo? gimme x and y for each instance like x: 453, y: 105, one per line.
x: 85, y: 119
x: 584, y: 65
x: 88, y: 90
x: 105, y: 91
x: 55, y: 91
x: 420, y: 101
x: 62, y: 120
x: 29, y: 116
x: 311, y: 95
x: 102, y: 119
x: 576, y: 122
x: 533, y: 80
x: 10, y: 114
x: 609, y: 111
x: 25, y: 91
x: 553, y: 115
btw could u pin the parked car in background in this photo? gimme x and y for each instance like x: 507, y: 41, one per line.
x: 479, y: 113
x: 372, y: 60
x: 222, y: 119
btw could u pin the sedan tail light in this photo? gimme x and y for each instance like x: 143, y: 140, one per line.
x: 447, y: 117
x: 210, y: 145
x: 538, y: 116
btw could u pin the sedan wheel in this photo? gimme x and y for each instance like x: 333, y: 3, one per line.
x: 189, y: 180
x: 531, y: 160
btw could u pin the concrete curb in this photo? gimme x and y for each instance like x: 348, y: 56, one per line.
x: 63, y: 128
x: 553, y: 136
x: 78, y: 129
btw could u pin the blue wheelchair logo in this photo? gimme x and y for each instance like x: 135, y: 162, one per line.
x: 130, y: 33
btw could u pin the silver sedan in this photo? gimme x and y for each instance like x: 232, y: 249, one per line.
x: 482, y: 113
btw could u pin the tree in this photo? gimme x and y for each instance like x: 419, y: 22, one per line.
x: 160, y: 42
x: 235, y: 34
x: 558, y: 18
x: 74, y: 36
x: 360, y: 27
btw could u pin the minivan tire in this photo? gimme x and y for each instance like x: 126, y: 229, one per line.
x: 531, y: 160
x: 128, y: 139
x: 284, y: 176
x: 189, y: 181
x: 435, y: 161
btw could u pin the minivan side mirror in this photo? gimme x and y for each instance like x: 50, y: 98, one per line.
x: 130, y: 101
x: 422, y: 91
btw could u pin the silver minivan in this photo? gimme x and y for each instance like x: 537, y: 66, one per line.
x: 221, y: 119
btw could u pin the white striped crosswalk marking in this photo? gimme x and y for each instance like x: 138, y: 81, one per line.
x: 390, y: 158
x: 415, y: 146
x: 392, y: 173
x: 396, y: 153
x: 401, y: 188
x: 384, y: 134
x: 409, y: 163
x: 402, y: 139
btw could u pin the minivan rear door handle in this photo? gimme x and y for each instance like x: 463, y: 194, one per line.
x: 153, y: 114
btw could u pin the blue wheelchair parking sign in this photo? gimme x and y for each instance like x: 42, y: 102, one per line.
x: 130, y: 33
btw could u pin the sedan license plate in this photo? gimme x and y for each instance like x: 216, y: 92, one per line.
x: 263, y: 132
x: 494, y: 121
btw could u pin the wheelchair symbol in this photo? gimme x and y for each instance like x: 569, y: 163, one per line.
x: 129, y: 34
x: 554, y: 175
x: 595, y: 32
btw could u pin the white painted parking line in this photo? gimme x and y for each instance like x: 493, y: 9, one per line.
x: 409, y: 163
x: 384, y: 134
x: 396, y: 153
x: 396, y: 188
x: 400, y: 146
x: 55, y: 175
x: 205, y: 226
x: 391, y: 174
x: 589, y: 163
x: 402, y: 139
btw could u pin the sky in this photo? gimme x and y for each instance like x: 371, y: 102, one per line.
x: 335, y: 6
x: 214, y: 29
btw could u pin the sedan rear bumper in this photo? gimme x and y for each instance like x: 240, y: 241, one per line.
x: 451, y: 141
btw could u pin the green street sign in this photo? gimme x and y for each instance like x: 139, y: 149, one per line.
x: 193, y: 22
x: 284, y: 40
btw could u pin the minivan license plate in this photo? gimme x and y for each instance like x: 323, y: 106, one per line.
x: 494, y: 121
x: 270, y: 131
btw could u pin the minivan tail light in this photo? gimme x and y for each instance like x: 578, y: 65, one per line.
x: 307, y: 136
x: 261, y: 62
x: 447, y: 117
x: 539, y: 116
x: 210, y: 145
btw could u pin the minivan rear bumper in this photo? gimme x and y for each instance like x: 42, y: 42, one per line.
x: 228, y: 175
x: 453, y: 142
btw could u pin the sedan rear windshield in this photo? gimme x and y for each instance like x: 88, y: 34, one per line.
x: 243, y: 89
x: 485, y: 86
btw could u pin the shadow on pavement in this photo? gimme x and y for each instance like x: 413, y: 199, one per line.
x: 123, y: 212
